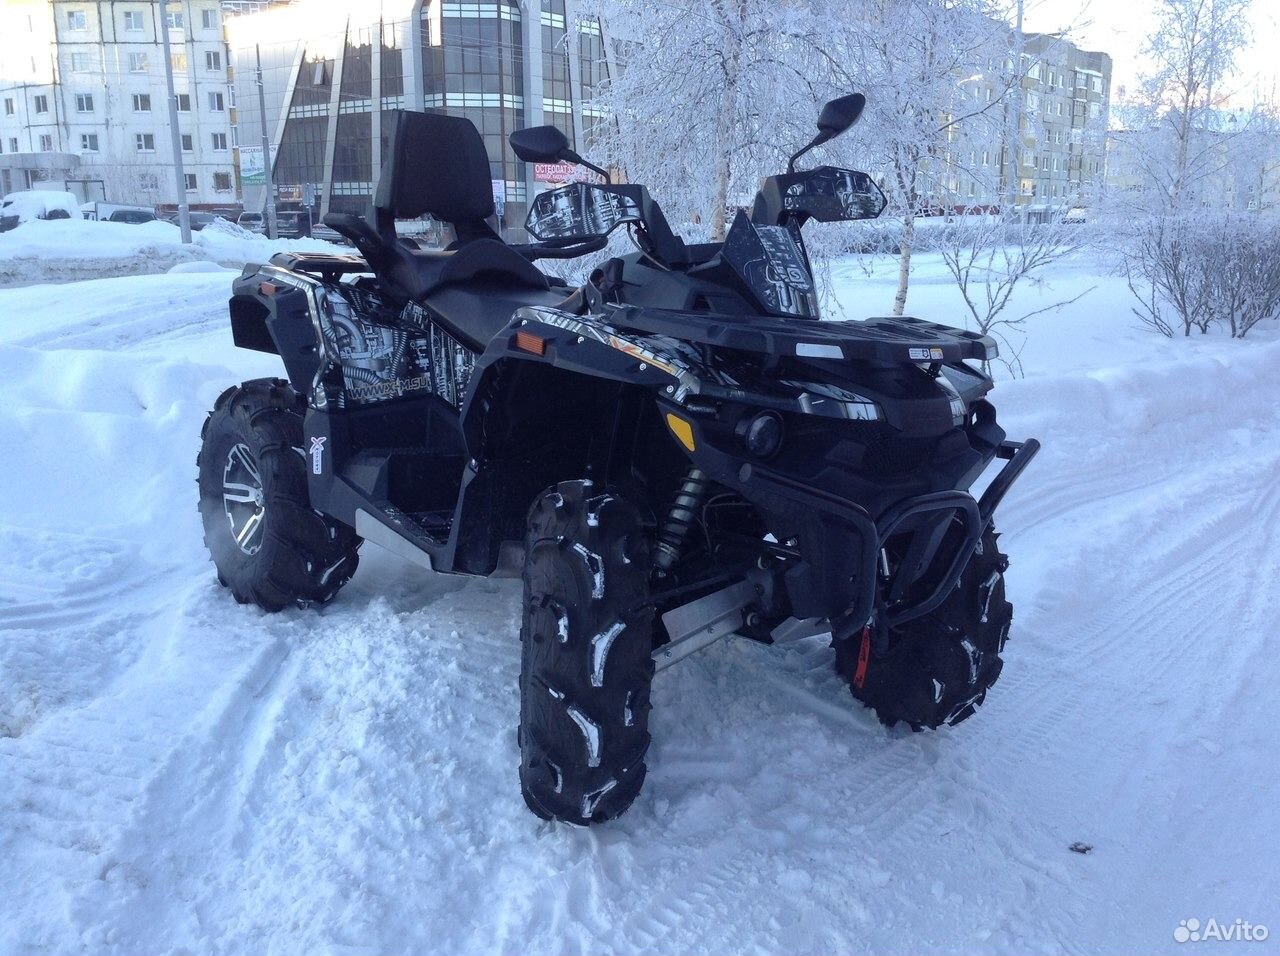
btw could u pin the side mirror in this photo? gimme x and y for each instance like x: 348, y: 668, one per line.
x: 836, y: 117
x: 539, y: 144
x: 547, y: 144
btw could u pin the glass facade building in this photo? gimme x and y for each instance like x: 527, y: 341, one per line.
x: 502, y: 64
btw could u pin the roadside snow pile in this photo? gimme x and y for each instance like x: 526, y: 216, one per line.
x: 182, y: 774
x: 66, y: 250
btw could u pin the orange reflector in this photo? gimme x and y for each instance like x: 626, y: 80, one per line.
x: 268, y: 288
x: 528, y: 342
x: 681, y: 429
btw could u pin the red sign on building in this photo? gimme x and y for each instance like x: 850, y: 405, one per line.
x: 554, y: 172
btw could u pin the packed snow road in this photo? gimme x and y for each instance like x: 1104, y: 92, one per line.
x: 181, y: 774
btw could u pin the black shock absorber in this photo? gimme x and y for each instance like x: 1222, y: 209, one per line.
x: 684, y: 511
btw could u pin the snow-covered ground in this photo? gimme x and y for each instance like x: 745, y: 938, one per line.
x: 64, y: 250
x: 179, y: 774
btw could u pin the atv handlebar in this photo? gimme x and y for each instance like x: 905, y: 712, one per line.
x: 561, y: 248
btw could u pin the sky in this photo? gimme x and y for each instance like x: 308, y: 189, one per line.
x: 1121, y: 27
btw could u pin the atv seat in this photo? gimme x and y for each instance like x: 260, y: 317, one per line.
x: 419, y: 272
x: 437, y: 165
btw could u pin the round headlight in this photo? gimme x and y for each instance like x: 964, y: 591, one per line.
x: 762, y: 434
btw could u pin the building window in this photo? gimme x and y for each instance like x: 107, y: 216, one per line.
x: 1095, y: 84
x: 77, y: 20
x: 216, y: 103
x: 222, y: 182
x: 209, y: 19
x: 179, y: 62
x: 137, y: 63
x: 184, y: 102
x: 1081, y: 80
x: 79, y: 62
x: 89, y: 142
x: 133, y: 21
x: 220, y: 141
x: 174, y: 19
x: 191, y: 182
x: 1095, y: 110
x: 13, y: 144
x: 42, y: 103
x: 187, y: 144
x: 213, y: 61
x: 84, y: 102
x: 142, y: 102
x: 145, y: 142
x: 46, y: 143
x: 8, y: 106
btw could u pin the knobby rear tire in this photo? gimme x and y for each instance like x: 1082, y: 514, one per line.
x: 302, y: 557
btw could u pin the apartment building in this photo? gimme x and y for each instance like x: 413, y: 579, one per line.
x: 1055, y: 118
x: 83, y: 100
x: 1064, y: 124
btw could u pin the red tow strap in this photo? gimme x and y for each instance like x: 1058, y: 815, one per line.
x: 864, y: 656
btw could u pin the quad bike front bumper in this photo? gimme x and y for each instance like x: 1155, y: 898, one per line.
x: 895, y: 556
x: 839, y: 575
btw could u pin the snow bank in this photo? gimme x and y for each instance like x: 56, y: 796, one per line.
x: 66, y: 250
x: 182, y: 774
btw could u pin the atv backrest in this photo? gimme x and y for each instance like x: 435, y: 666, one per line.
x: 437, y: 165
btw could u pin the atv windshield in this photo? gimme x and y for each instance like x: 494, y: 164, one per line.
x: 769, y: 260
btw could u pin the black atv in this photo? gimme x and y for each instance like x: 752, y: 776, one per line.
x: 676, y: 451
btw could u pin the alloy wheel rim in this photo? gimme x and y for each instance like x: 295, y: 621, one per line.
x: 243, y: 500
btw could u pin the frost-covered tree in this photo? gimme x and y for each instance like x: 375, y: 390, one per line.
x: 1178, y: 133
x: 933, y: 70
x: 706, y: 96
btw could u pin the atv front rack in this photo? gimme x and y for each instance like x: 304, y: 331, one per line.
x: 881, y: 339
x: 930, y: 519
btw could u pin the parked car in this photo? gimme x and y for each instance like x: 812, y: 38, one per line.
x: 253, y: 221
x: 132, y: 216
x: 1076, y: 216
x: 117, y: 212
x: 25, y: 205
x: 293, y: 224
x: 328, y: 234
x: 198, y: 219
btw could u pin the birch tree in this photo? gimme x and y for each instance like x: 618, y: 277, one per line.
x: 1177, y: 127
x: 929, y: 65
x: 706, y: 96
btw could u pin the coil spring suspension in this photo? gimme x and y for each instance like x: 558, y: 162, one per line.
x: 679, y: 519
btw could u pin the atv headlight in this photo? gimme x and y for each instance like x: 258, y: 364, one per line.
x: 761, y: 434
x: 958, y: 410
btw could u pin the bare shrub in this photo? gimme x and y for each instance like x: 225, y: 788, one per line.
x: 1196, y: 272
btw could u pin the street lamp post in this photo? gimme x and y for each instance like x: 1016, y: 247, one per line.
x: 267, y: 179
x: 175, y: 135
